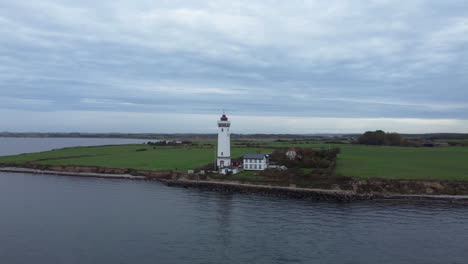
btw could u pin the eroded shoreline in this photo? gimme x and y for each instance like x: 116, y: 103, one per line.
x: 167, y: 178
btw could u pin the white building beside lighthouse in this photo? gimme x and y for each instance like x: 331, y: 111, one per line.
x: 224, y: 143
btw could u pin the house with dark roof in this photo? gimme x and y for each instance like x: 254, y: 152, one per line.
x: 237, y: 162
x: 255, y: 161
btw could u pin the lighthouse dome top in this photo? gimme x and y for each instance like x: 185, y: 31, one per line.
x: 224, y: 118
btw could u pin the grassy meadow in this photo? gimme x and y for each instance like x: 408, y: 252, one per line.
x: 443, y: 163
x: 128, y: 156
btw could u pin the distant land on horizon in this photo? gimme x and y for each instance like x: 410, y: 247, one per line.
x: 207, y: 136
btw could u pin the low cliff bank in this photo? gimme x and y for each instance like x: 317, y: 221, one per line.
x: 354, y: 189
x: 306, y: 193
x: 410, y: 187
x: 96, y: 170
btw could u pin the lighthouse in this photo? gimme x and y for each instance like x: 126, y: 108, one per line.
x: 224, y: 143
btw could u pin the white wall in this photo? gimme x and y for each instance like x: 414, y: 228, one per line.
x: 252, y: 164
x: 224, y: 143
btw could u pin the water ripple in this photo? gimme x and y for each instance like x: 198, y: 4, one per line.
x: 114, y: 221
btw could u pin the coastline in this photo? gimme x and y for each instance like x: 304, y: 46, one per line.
x: 237, y: 187
x: 73, y: 174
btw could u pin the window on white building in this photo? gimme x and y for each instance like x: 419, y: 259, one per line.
x: 260, y: 166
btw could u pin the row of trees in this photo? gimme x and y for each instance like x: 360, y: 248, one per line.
x: 306, y: 158
x: 379, y: 137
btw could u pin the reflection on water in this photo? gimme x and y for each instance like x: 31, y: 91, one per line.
x: 51, y: 219
x: 223, y: 211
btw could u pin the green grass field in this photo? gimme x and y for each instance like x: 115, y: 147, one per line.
x: 443, y: 163
x: 127, y: 156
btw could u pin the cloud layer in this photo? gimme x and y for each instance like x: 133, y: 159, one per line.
x: 354, y: 60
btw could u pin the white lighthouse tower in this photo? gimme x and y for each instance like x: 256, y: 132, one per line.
x: 224, y: 143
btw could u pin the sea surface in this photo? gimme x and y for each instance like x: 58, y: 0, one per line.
x: 14, y: 146
x: 59, y: 219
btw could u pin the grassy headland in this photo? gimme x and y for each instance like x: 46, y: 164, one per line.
x: 441, y: 163
x: 128, y: 156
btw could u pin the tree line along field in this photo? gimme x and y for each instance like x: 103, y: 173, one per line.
x: 442, y: 163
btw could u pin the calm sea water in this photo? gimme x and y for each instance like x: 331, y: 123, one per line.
x: 53, y: 219
x: 14, y: 146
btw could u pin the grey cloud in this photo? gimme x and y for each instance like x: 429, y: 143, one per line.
x: 393, y: 59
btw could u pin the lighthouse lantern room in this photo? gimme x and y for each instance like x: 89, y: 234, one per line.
x: 224, y: 143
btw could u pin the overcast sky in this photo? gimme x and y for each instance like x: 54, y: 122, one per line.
x: 274, y: 66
